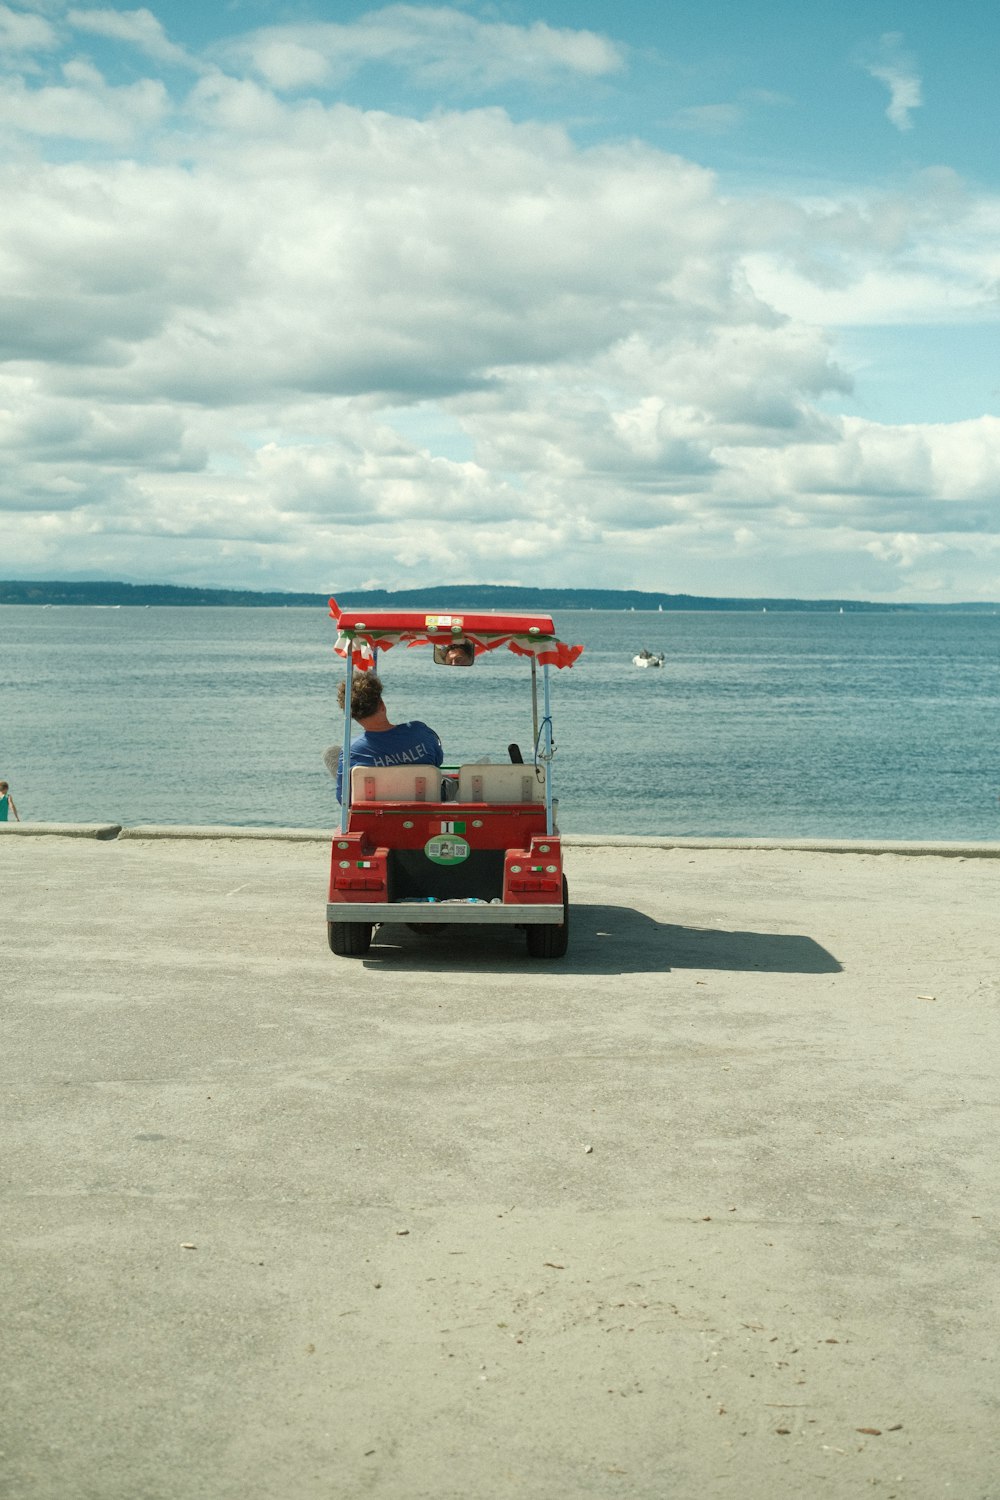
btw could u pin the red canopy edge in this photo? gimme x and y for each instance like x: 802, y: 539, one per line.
x: 445, y: 622
x: 364, y: 631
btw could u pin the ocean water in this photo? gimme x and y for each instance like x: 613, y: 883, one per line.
x: 770, y: 724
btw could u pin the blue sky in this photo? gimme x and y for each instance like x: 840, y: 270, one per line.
x: 311, y: 296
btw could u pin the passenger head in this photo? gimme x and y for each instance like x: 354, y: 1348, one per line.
x: 366, y: 695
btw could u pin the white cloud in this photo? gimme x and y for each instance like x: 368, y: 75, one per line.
x: 25, y: 33
x: 301, y: 340
x: 710, y: 119
x: 897, y: 69
x: 904, y: 549
x: 926, y: 254
x: 922, y: 479
x: 139, y: 27
x: 726, y: 117
x: 435, y: 46
x: 83, y: 108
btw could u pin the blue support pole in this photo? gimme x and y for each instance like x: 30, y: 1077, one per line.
x: 547, y: 751
x: 345, y: 764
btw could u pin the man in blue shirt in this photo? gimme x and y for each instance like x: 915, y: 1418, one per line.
x: 380, y: 743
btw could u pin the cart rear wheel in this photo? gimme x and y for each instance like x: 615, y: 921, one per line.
x: 551, y: 939
x: 349, y: 939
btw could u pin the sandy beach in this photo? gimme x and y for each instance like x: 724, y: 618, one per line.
x: 708, y: 1209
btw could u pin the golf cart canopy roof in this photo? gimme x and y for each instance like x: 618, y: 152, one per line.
x: 364, y: 631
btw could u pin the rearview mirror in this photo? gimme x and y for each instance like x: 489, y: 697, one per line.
x: 455, y: 654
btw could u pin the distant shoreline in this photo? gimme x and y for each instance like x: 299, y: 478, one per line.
x: 110, y: 595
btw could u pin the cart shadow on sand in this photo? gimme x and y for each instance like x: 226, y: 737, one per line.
x: 603, y: 940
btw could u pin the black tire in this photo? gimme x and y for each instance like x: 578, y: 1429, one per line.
x: 349, y: 939
x: 550, y: 940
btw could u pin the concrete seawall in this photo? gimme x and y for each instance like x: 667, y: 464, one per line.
x: 709, y: 1208
x: 966, y: 849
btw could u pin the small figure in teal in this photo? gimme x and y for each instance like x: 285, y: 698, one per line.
x: 7, y: 803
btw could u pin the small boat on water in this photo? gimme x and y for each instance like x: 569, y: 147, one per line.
x: 648, y: 658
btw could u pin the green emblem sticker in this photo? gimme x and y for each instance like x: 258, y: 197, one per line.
x: 447, y: 849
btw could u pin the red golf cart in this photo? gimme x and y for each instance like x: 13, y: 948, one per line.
x: 475, y: 843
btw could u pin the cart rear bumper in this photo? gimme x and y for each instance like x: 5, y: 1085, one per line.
x: 445, y: 911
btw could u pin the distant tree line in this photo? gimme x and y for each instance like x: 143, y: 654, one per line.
x: 444, y: 597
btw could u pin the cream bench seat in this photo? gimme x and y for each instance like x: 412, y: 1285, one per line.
x: 396, y: 783
x: 485, y: 783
